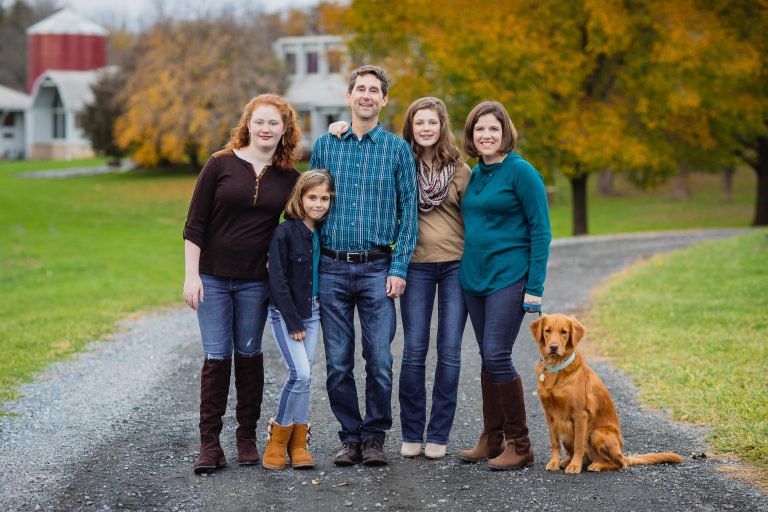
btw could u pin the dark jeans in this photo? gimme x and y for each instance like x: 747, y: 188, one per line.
x: 342, y: 287
x: 232, y: 316
x: 496, y: 319
x: 425, y: 280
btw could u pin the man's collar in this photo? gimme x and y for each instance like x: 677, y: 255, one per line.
x: 373, y: 134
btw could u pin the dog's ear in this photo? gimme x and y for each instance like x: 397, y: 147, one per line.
x: 537, y: 328
x: 577, y: 331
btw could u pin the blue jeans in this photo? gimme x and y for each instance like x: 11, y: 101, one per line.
x: 232, y: 316
x: 293, y: 406
x: 416, y: 305
x: 496, y: 319
x: 342, y: 287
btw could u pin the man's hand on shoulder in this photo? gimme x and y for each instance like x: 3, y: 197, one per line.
x: 395, y: 286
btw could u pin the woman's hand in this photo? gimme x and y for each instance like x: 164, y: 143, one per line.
x: 193, y: 291
x: 337, y: 128
x: 531, y: 303
x: 299, y: 336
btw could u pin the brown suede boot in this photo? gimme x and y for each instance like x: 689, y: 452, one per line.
x: 297, y: 447
x: 214, y: 388
x: 492, y: 437
x: 249, y: 382
x: 517, y: 450
x: 277, y: 446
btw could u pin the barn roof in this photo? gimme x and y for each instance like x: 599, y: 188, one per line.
x: 11, y: 99
x: 67, y: 21
x: 74, y: 86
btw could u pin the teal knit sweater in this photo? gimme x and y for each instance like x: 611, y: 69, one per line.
x: 506, y: 228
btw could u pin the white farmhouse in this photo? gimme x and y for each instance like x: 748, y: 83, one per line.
x: 318, y: 81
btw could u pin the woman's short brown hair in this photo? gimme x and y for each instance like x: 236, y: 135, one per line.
x: 508, y: 131
x: 446, y: 152
x: 289, y: 148
x: 307, y: 181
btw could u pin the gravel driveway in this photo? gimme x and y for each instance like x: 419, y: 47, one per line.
x: 117, y: 429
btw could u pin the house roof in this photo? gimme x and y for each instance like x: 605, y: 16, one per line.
x: 11, y: 99
x: 74, y: 86
x: 67, y: 21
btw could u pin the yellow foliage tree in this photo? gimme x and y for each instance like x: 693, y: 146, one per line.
x: 187, y: 86
x: 631, y: 86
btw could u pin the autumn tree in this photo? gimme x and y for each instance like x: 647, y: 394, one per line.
x: 632, y: 86
x: 100, y: 115
x: 188, y: 87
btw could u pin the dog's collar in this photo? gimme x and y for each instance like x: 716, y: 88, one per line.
x: 557, y: 368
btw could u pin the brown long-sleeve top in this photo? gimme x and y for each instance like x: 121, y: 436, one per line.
x: 232, y: 223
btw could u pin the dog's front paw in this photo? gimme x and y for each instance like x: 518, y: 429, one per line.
x: 573, y: 468
x: 554, y: 464
x: 564, y: 463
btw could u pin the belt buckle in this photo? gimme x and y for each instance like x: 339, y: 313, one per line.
x: 349, y: 258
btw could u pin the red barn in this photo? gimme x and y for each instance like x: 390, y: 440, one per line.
x: 65, y: 41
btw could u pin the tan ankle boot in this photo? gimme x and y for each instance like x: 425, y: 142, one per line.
x: 277, y: 446
x: 517, y: 450
x: 492, y: 437
x: 297, y: 447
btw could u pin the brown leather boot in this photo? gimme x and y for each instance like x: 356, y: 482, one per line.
x: 492, y: 437
x: 517, y: 450
x: 277, y: 445
x: 249, y: 382
x: 297, y: 447
x: 214, y: 388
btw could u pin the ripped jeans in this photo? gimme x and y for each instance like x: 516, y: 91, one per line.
x: 232, y: 316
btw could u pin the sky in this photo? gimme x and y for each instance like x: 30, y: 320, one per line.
x: 133, y: 14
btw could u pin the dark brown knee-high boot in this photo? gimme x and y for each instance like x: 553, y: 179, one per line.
x: 492, y: 437
x: 517, y: 450
x: 249, y: 382
x: 214, y: 388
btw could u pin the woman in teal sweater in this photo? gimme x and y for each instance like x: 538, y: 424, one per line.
x: 506, y: 248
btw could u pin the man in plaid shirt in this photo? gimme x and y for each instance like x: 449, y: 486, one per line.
x: 375, y: 206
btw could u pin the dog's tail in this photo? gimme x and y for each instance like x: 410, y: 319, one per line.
x: 653, y: 458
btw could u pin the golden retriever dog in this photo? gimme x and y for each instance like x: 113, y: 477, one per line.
x: 579, y: 410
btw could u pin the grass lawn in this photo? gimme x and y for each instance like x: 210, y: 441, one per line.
x: 77, y: 255
x: 690, y: 327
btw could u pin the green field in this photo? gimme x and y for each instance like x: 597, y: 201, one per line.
x: 691, y: 328
x: 77, y: 255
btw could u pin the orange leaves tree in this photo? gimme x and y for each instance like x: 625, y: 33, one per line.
x: 187, y: 86
x: 632, y: 86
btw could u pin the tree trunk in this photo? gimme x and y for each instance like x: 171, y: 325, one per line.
x: 579, y: 202
x: 761, y: 207
x: 605, y: 183
x: 683, y: 183
x: 727, y: 194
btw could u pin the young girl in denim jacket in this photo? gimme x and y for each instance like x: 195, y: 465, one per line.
x: 294, y: 313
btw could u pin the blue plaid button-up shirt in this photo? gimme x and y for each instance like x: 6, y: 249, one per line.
x: 375, y: 181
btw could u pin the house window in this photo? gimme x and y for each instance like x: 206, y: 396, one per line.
x: 290, y: 62
x: 334, y: 61
x: 59, y: 118
x: 10, y: 119
x: 312, y: 63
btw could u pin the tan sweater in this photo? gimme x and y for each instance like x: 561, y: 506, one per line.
x: 441, y: 231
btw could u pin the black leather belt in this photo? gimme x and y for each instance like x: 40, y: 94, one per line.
x: 355, y: 257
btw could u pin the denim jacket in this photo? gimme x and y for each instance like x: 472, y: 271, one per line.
x: 290, y: 273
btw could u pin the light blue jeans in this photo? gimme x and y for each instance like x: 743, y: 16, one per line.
x: 298, y: 356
